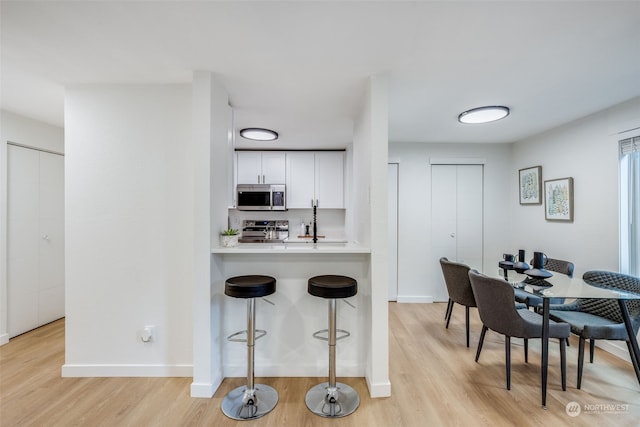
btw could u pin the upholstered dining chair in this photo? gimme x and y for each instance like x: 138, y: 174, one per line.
x: 600, y: 319
x: 551, y: 264
x: 494, y: 298
x: 456, y: 278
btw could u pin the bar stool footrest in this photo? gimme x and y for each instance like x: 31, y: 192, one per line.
x: 259, y: 333
x: 340, y: 334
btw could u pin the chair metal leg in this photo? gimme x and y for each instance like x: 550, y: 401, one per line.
x: 526, y: 350
x: 480, y: 342
x: 466, y: 315
x: 563, y: 363
x: 250, y: 401
x: 448, y: 312
x: 449, y: 317
x: 507, y: 354
x: 580, y: 362
x: 633, y: 359
x: 592, y: 349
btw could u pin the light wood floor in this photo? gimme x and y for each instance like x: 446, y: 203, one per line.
x: 434, y: 378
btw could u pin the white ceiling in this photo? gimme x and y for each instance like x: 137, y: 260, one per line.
x: 300, y: 67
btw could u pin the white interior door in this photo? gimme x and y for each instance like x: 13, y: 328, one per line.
x: 456, y: 219
x: 22, y: 239
x: 51, y: 248
x: 35, y: 239
x: 469, y: 218
x: 392, y: 185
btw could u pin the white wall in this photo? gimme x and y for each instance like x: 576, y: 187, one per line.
x: 129, y: 230
x: 586, y: 150
x: 414, y: 222
x: 31, y: 133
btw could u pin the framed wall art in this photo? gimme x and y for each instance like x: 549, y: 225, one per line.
x: 558, y: 197
x: 530, y: 185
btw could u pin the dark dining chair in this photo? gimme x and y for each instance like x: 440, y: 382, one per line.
x: 456, y: 278
x: 494, y: 298
x: 551, y: 264
x: 600, y: 319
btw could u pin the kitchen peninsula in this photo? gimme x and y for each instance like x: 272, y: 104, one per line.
x: 289, y: 349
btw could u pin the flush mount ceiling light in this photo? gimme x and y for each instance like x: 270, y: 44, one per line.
x: 484, y: 114
x: 259, y: 134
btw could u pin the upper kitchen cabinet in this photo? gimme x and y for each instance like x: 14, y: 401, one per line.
x: 260, y: 167
x: 315, y: 176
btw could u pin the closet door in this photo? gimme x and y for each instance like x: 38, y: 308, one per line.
x: 456, y: 219
x: 35, y: 239
x: 51, y: 244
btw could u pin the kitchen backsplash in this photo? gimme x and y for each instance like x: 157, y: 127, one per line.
x: 331, y: 222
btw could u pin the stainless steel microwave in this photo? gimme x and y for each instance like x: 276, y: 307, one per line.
x: 261, y: 197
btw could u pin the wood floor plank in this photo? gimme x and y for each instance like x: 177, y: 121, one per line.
x: 434, y: 379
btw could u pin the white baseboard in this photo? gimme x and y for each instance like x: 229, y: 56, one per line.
x: 71, y: 370
x: 379, y: 389
x: 4, y: 338
x: 415, y: 299
x: 205, y: 390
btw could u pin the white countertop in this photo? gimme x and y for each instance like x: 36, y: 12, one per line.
x: 290, y: 247
x: 295, y: 239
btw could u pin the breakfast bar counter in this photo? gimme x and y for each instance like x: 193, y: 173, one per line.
x: 294, y: 247
x: 289, y: 349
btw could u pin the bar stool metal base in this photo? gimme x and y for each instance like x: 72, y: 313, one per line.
x: 335, y: 402
x: 244, y: 404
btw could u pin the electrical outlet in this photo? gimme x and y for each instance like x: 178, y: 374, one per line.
x: 148, y: 334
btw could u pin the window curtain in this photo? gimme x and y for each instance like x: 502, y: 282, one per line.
x: 630, y: 206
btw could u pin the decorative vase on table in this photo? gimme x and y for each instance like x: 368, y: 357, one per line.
x: 538, y: 271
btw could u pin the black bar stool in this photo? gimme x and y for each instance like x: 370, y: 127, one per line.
x: 251, y: 400
x: 332, y: 399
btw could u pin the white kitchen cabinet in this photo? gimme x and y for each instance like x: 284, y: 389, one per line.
x: 35, y: 239
x: 300, y: 179
x: 329, y: 179
x: 315, y: 176
x: 260, y: 167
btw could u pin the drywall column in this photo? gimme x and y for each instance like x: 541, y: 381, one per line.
x: 212, y: 122
x: 370, y: 223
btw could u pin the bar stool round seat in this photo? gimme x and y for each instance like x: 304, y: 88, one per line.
x: 332, y: 286
x: 332, y: 399
x: 249, y: 401
x: 252, y: 286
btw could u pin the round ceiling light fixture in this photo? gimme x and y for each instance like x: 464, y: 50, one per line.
x: 259, y: 134
x: 484, y: 114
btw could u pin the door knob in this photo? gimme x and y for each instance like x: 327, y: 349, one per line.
x: 46, y: 237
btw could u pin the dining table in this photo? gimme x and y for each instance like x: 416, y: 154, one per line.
x: 563, y: 286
